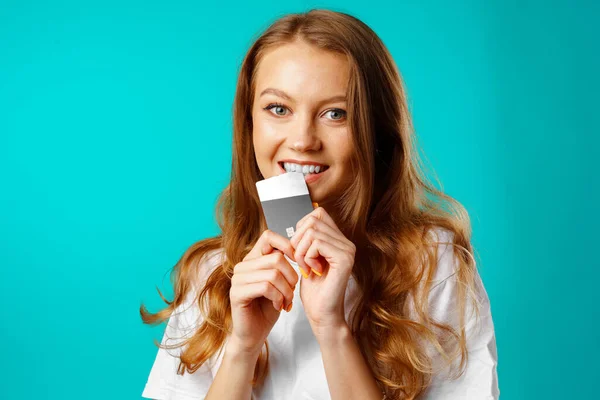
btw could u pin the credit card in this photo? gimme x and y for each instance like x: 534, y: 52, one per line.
x: 285, y: 200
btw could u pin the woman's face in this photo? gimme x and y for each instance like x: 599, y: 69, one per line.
x: 299, y: 117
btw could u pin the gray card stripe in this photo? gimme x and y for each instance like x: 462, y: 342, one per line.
x: 282, y: 214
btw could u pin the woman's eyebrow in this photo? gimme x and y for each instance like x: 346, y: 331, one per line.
x: 284, y: 95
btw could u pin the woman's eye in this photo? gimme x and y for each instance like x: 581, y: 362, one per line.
x: 338, y: 112
x: 277, y: 107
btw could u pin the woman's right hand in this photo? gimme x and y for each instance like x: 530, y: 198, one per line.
x: 261, y: 286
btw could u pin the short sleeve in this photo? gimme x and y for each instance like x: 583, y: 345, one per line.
x: 479, y: 380
x: 163, y: 381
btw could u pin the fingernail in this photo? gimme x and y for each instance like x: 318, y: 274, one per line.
x: 289, y: 308
x: 315, y: 205
x: 304, y: 274
x: 317, y: 273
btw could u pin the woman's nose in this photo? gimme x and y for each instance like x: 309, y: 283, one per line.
x: 305, y: 138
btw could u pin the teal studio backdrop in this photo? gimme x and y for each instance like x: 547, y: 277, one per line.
x: 115, y: 141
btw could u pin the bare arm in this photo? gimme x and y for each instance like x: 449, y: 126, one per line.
x: 348, y: 374
x: 234, y: 376
x: 262, y: 285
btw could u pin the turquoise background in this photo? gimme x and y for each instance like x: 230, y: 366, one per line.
x: 115, y: 140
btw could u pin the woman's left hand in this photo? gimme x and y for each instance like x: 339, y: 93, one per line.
x: 320, y: 245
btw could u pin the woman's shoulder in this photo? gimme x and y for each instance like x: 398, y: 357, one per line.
x: 440, y: 234
x: 208, y: 263
x: 441, y: 240
x: 186, y: 316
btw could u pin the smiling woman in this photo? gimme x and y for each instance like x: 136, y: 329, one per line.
x: 395, y: 306
x: 299, y: 115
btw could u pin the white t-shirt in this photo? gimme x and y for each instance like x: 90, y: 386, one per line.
x: 296, y: 370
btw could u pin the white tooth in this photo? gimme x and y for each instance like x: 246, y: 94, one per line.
x: 311, y: 168
x: 285, y: 166
x: 317, y: 168
x: 294, y: 167
x: 305, y: 169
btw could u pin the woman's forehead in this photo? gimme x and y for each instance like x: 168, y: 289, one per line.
x: 295, y: 72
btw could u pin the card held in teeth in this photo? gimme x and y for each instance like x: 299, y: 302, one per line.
x: 285, y: 200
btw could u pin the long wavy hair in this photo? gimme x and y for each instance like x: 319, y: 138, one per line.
x: 387, y: 212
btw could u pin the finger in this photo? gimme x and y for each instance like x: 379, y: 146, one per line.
x: 305, y: 242
x: 267, y: 242
x: 273, y: 276
x: 321, y: 214
x: 274, y: 260
x: 244, y: 294
x: 317, y: 225
x: 331, y: 253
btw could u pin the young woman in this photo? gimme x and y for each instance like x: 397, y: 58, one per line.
x: 390, y: 304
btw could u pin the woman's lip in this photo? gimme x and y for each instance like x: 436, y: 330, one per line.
x: 282, y: 169
x: 308, y: 178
